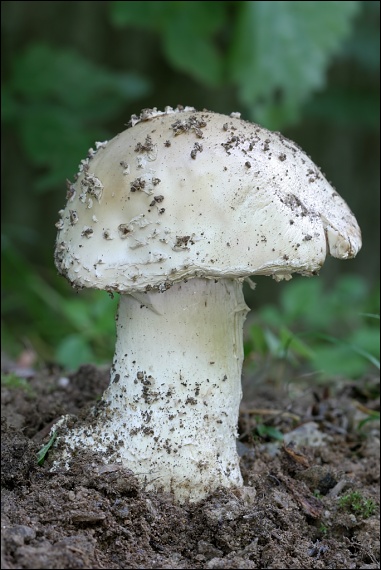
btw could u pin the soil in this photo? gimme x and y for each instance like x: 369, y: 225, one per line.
x: 316, y: 492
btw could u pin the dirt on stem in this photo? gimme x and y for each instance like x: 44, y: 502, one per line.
x: 316, y: 503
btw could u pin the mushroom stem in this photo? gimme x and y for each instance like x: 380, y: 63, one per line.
x: 170, y: 412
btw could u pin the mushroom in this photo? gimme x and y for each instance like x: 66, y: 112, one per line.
x: 174, y: 214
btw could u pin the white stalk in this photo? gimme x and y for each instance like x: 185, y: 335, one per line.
x: 170, y: 412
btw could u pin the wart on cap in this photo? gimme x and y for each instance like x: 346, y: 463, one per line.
x: 174, y: 213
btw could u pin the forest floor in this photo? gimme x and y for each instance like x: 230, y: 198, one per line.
x: 316, y: 502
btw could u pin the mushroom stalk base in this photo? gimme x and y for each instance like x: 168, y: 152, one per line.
x: 170, y: 412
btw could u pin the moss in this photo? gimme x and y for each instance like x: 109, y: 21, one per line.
x: 357, y: 504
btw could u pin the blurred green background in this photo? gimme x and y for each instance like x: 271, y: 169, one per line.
x: 74, y: 72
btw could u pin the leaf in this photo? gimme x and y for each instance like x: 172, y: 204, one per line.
x: 257, y: 339
x: 45, y: 72
x: 345, y: 358
x: 148, y: 14
x: 41, y: 455
x: 49, y: 141
x: 273, y: 342
x: 73, y: 351
x: 303, y: 300
x: 53, y: 97
x: 187, y: 30
x: 188, y: 41
x: 370, y: 316
x: 364, y: 46
x: 372, y: 417
x: 291, y: 343
x: 281, y: 50
x: 269, y: 431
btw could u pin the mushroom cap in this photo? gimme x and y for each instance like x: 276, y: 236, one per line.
x: 182, y: 194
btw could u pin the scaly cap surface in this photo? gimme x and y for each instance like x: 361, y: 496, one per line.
x: 182, y: 194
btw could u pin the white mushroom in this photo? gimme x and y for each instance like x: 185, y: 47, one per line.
x: 207, y: 201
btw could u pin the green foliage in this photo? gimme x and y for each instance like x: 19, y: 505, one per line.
x: 14, y: 382
x: 364, y: 46
x: 41, y: 455
x: 262, y: 58
x: 357, y: 504
x: 331, y: 331
x: 54, y: 98
x: 61, y: 327
x: 279, y: 56
x: 323, y: 529
x: 269, y: 432
x: 372, y: 416
x: 347, y: 108
x: 275, y: 54
x: 187, y: 30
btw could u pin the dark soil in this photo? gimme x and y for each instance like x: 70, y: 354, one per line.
x: 316, y: 503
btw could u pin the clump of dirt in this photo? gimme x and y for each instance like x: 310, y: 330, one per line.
x: 310, y: 501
